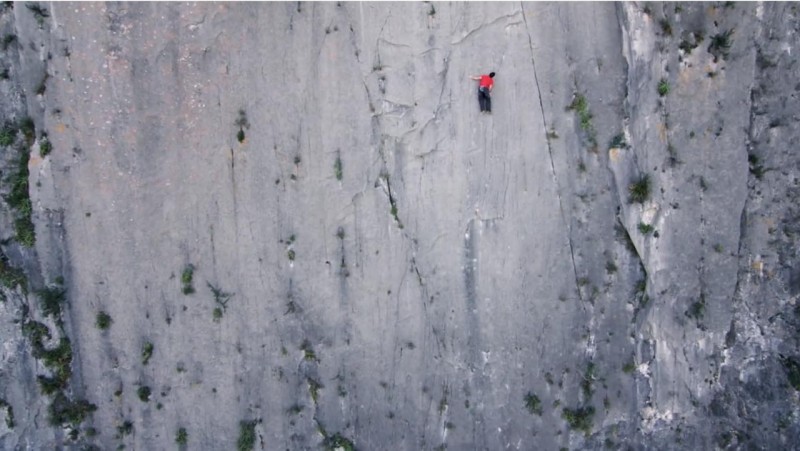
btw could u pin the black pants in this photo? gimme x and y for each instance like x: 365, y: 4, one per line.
x: 484, y: 100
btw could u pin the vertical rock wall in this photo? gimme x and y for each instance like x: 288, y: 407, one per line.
x: 299, y: 225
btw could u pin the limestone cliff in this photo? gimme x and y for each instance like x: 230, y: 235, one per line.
x: 287, y: 226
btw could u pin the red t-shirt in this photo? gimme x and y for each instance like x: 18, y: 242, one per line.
x: 486, y: 82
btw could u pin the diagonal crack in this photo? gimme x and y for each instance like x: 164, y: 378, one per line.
x: 550, y: 153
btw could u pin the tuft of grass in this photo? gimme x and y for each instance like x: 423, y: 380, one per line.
x: 291, y: 254
x: 186, y: 279
x: 533, y: 404
x: 639, y: 190
x: 313, y: 389
x: 144, y: 393
x: 663, y: 87
x: 103, y: 320
x: 718, y: 248
x: 147, y: 352
x: 45, y: 147
x: 247, y: 435
x: 644, y: 229
x: 579, y: 418
x: 611, y: 267
x: 181, y: 437
x: 581, y: 107
x: 337, y: 168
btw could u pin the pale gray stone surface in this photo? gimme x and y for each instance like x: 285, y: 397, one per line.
x: 460, y: 262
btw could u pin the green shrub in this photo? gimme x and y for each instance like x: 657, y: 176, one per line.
x: 618, y: 141
x: 8, y: 39
x: 11, y: 277
x: 663, y: 87
x: 533, y: 404
x: 39, y: 13
x: 37, y: 333
x: 629, y: 367
x: 147, y: 352
x: 247, y: 435
x: 28, y: 128
x: 242, y: 123
x: 51, y: 299
x: 579, y: 418
x: 186, y: 279
x: 721, y: 44
x: 103, y: 320
x: 7, y: 135
x: 337, y: 168
x: 588, y: 379
x: 126, y: 428
x: 337, y: 442
x: 313, y: 389
x: 144, y: 393
x: 639, y: 190
x: 59, y: 360
x: 181, y: 437
x: 50, y: 385
x: 666, y: 27
x: 63, y: 410
x: 644, y: 229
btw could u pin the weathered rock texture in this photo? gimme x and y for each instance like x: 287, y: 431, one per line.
x: 300, y: 225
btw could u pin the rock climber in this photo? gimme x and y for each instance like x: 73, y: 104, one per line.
x: 485, y: 85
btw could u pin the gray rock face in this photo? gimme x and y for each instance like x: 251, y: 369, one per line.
x: 287, y: 226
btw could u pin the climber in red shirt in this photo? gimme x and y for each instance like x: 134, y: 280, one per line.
x: 484, y: 88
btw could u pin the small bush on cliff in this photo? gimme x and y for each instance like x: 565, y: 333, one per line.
x: 186, y: 279
x: 247, y: 435
x: 663, y: 87
x: 181, y: 437
x: 533, y: 404
x: 103, y: 320
x: 147, y: 352
x: 639, y: 190
x: 579, y: 418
